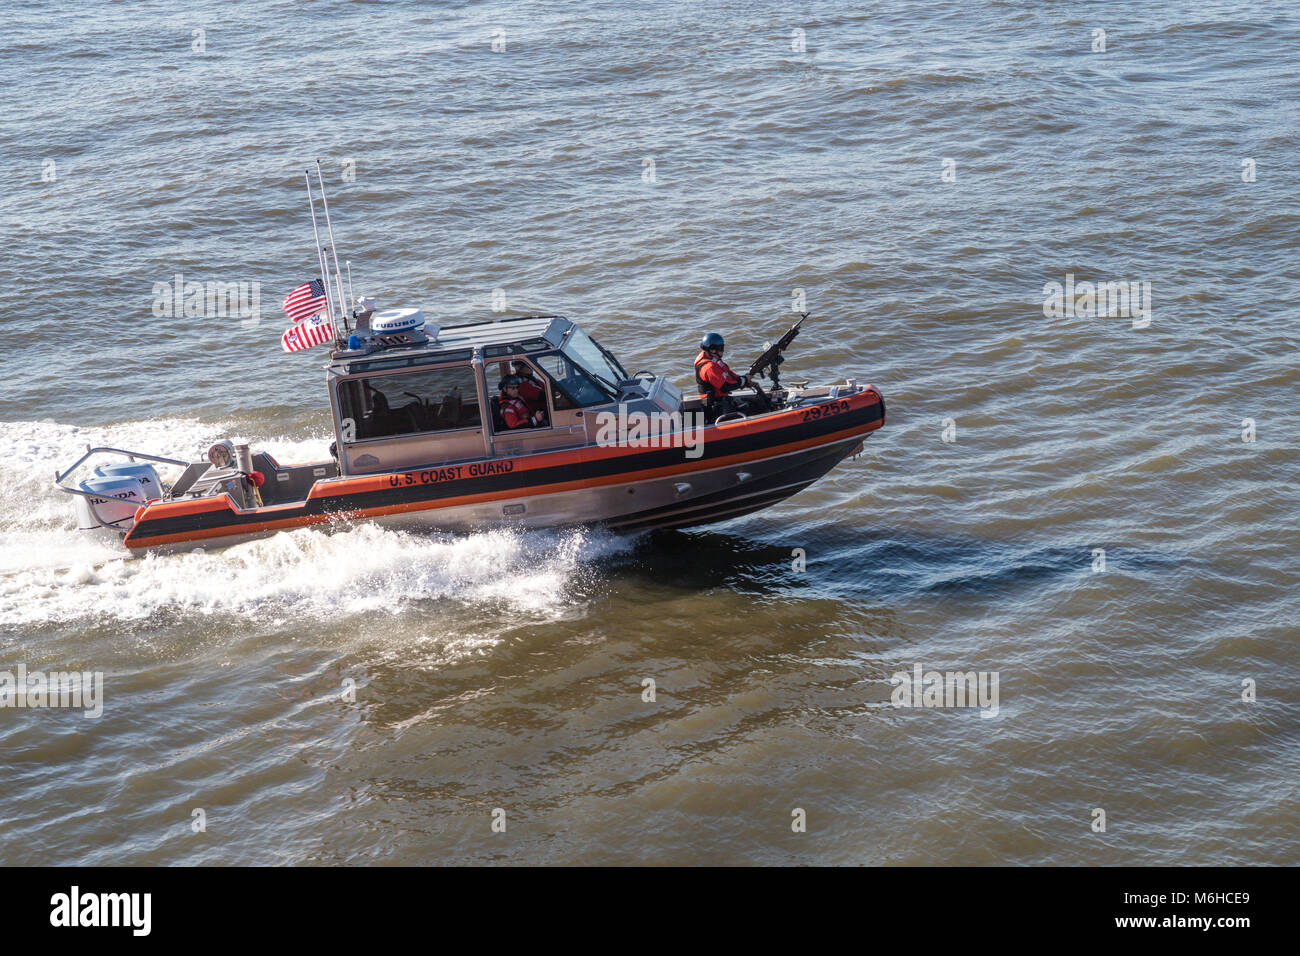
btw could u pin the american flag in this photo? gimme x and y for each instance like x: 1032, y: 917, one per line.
x: 307, y: 333
x: 307, y: 299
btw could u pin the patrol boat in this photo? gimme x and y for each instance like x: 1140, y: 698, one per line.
x: 419, y: 441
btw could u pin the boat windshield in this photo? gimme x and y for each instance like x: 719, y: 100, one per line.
x: 584, y: 352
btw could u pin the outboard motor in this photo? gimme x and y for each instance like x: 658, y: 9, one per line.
x: 144, y: 472
x: 119, y: 496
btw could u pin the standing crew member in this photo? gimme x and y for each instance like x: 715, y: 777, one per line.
x: 514, y: 410
x: 715, y: 379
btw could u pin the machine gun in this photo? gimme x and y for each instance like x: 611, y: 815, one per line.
x: 769, y: 363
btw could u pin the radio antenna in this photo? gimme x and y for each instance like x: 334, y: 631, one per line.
x: 320, y: 254
x: 348, y: 263
x: 337, y: 272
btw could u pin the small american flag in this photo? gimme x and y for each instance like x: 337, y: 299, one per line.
x: 307, y: 333
x: 307, y: 299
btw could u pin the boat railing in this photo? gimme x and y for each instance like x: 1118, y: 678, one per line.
x: 59, y: 477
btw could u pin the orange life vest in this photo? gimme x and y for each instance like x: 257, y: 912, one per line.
x: 515, y: 412
x: 713, y: 376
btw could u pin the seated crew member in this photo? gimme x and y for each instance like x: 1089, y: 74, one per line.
x: 514, y: 410
x: 715, y: 379
x: 530, y: 389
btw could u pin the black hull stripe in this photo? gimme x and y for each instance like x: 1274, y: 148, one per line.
x: 510, y: 481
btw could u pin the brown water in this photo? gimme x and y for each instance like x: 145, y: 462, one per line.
x: 506, y: 670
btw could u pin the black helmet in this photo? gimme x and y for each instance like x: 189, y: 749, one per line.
x: 509, y: 380
x: 711, y: 341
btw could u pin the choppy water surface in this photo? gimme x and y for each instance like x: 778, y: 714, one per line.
x: 505, y: 670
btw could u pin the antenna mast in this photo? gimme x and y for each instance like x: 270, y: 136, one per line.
x: 337, y: 272
x: 320, y: 254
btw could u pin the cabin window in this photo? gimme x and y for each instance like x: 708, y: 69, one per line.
x: 422, y: 400
x: 599, y: 365
x: 573, y: 387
